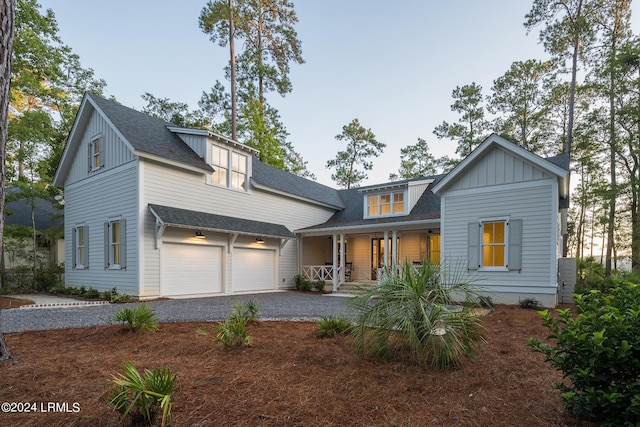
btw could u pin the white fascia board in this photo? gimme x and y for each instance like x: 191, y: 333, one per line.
x: 166, y: 161
x: 208, y: 133
x: 405, y: 225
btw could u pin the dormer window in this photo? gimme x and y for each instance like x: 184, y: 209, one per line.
x: 386, y: 204
x: 229, y: 168
x: 96, y: 154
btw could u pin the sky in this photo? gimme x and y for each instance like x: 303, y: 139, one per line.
x: 393, y: 65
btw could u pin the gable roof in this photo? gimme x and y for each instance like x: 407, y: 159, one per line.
x: 276, y: 180
x: 427, y: 208
x: 183, y: 218
x: 145, y: 136
x: 558, y: 166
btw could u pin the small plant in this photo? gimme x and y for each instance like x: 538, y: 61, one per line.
x: 318, y: 285
x: 302, y: 283
x: 233, y: 331
x: 138, y: 319
x: 529, y: 303
x: 121, y: 298
x: 331, y: 326
x: 92, y: 293
x: 143, y: 396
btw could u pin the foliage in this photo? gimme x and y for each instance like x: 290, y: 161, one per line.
x: 529, y: 303
x: 318, y: 285
x: 361, y: 146
x: 302, y: 283
x: 138, y: 319
x: 415, y: 161
x: 591, y: 276
x: 233, y: 331
x: 413, y: 313
x: 598, y: 351
x: 330, y: 326
x: 144, y: 396
x: 114, y: 297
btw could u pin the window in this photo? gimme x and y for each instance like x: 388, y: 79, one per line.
x: 385, y: 204
x: 434, y: 248
x: 115, y: 233
x: 495, y: 245
x: 220, y: 163
x: 238, y: 171
x: 96, y: 154
x: 80, y: 247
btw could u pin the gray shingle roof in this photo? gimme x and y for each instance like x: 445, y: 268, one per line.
x: 561, y: 160
x: 427, y: 207
x: 286, y: 182
x: 18, y: 212
x: 226, y: 224
x: 148, y: 134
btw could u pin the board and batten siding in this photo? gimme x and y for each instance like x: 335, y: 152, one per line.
x: 498, y: 167
x: 115, y: 151
x: 176, y: 188
x: 92, y: 202
x: 535, y: 203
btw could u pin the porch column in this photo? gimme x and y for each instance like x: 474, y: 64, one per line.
x: 342, y: 256
x: 386, y: 249
x: 394, y: 250
x: 334, y: 278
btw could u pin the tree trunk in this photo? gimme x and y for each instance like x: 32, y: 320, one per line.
x: 7, y: 27
x: 234, y: 107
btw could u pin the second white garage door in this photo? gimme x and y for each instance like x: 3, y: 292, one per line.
x: 253, y: 269
x: 191, y: 269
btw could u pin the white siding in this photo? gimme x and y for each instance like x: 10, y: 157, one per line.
x: 498, y: 167
x: 116, y: 152
x: 92, y: 202
x: 532, y: 202
x: 170, y: 187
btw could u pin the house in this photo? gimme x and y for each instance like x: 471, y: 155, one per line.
x: 21, y: 215
x: 158, y: 210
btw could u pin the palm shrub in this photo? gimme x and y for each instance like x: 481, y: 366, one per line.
x: 330, y: 326
x: 143, y: 396
x: 139, y: 319
x: 415, y: 313
x: 233, y: 331
x: 598, y: 351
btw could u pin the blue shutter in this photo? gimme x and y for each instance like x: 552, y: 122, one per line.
x: 473, y: 246
x: 515, y: 245
x: 107, y: 246
x: 86, y: 247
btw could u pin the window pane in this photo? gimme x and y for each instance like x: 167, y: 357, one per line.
x: 487, y: 235
x: 115, y: 243
x: 498, y: 256
x: 115, y: 232
x: 385, y: 204
x: 398, y: 202
x: 372, y: 203
x: 498, y: 232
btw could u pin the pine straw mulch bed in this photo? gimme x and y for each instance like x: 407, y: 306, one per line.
x: 287, y: 378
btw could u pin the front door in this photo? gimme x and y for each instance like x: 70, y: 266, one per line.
x: 377, y: 255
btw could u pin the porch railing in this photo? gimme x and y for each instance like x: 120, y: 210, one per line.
x: 322, y: 272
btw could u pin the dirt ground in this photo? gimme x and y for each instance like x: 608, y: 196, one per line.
x: 287, y: 378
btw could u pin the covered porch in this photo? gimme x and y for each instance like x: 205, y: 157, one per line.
x: 349, y: 256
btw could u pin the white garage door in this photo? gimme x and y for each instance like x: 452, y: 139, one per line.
x: 191, y: 269
x: 253, y: 269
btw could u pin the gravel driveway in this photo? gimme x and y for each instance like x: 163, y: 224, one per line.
x: 273, y: 306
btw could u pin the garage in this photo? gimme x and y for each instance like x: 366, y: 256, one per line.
x: 191, y: 269
x: 253, y: 269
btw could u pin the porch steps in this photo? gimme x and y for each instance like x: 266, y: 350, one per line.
x: 356, y: 288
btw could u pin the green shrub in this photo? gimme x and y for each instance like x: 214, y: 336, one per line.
x: 92, y: 293
x: 318, y: 285
x: 121, y: 298
x: 302, y: 283
x: 143, y: 396
x: 331, y: 326
x: 591, y: 276
x: 598, y: 351
x: 413, y: 314
x: 139, y: 319
x: 233, y: 331
x: 529, y: 303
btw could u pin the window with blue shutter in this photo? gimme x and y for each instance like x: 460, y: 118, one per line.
x: 495, y: 245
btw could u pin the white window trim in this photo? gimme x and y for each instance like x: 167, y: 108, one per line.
x: 506, y: 244
x: 110, y: 255
x: 392, y: 213
x: 100, y: 139
x: 230, y: 170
